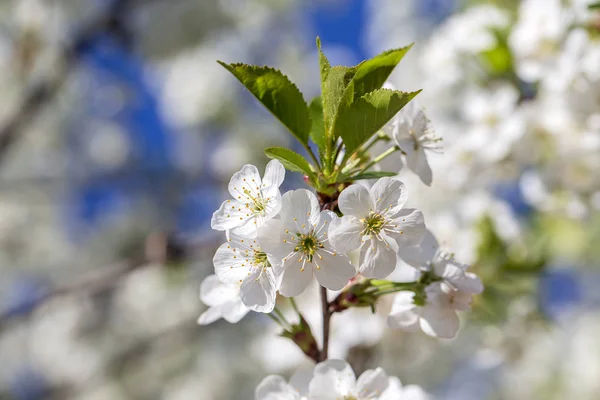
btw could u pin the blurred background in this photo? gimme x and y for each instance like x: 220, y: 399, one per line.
x: 118, y: 135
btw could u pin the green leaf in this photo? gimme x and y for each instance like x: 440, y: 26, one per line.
x: 290, y: 159
x: 317, y: 132
x: 594, y: 6
x: 370, y: 175
x: 278, y: 94
x: 372, y: 74
x: 357, y: 122
x: 333, y: 91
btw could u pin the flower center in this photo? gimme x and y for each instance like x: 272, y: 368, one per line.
x: 260, y: 259
x: 374, y: 223
x: 308, y: 244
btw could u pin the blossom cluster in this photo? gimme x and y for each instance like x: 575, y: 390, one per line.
x: 279, y: 243
x: 334, y: 379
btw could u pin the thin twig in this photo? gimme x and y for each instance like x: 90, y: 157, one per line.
x: 323, y: 355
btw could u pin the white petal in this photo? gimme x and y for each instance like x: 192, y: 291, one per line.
x: 420, y: 255
x: 345, y: 233
x: 389, y: 195
x: 271, y: 236
x: 300, y: 381
x: 231, y: 264
x: 296, y: 277
x: 258, y: 291
x: 417, y: 162
x: 394, y: 390
x: 355, y: 200
x: 332, y: 379
x: 439, y: 321
x: 244, y: 183
x: 410, y: 228
x: 249, y: 228
x: 300, y: 208
x: 213, y: 292
x: 404, y: 314
x: 332, y: 271
x: 273, y: 206
x: 414, y: 392
x: 275, y: 387
x: 470, y: 284
x: 274, y: 175
x: 234, y: 311
x: 372, y: 383
x: 377, y: 259
x: 231, y: 214
x: 209, y: 316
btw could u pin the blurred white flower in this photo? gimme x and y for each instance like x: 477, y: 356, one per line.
x: 255, y: 200
x: 223, y: 299
x: 376, y: 221
x: 412, y: 132
x: 241, y: 261
x: 334, y: 379
x: 275, y: 387
x: 299, y: 240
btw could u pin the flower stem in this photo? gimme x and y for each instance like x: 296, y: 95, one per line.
x: 310, y: 152
x: 294, y: 305
x: 380, y: 157
x: 282, y: 317
x: 323, y: 355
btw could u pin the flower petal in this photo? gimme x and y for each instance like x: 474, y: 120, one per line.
x: 231, y: 264
x: 372, y: 383
x: 417, y: 162
x: 355, y: 200
x: 394, y: 390
x: 300, y: 209
x: 209, y: 316
x: 404, y: 314
x: 296, y: 276
x: 420, y: 255
x: 439, y: 321
x: 258, y: 291
x: 345, y: 233
x: 332, y: 270
x: 332, y: 379
x: 274, y: 175
x: 234, y: 311
x: 213, y: 292
x: 377, y: 259
x: 231, y: 214
x: 410, y: 228
x: 388, y: 195
x: 245, y: 183
x: 271, y: 236
x: 414, y: 392
x: 275, y: 387
x: 301, y: 379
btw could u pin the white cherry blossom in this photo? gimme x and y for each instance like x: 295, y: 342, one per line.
x: 255, y: 200
x: 375, y: 222
x: 429, y: 258
x: 435, y: 315
x: 299, y: 240
x: 275, y: 387
x: 334, y: 380
x: 412, y: 132
x: 241, y: 261
x: 223, y: 300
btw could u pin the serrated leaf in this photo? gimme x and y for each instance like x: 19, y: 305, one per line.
x: 317, y: 132
x: 371, y: 74
x: 290, y: 159
x: 334, y: 88
x: 357, y: 122
x: 278, y: 94
x: 370, y: 175
x: 323, y: 65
